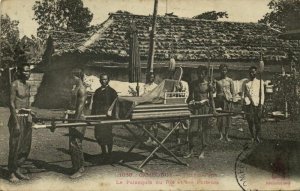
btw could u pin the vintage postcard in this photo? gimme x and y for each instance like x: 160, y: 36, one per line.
x: 150, y: 95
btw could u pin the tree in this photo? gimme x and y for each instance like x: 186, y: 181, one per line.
x: 33, y: 49
x: 9, y: 41
x: 66, y: 15
x: 211, y: 15
x: 284, y: 15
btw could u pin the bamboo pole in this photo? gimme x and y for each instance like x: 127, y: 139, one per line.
x: 152, y: 42
x: 126, y: 121
x: 260, y: 71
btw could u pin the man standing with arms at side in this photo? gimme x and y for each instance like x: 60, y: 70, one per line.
x: 102, y: 100
x: 77, y: 133
x: 19, y: 124
x: 253, y: 103
x: 224, y: 98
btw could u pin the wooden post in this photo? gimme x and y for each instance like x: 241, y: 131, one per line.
x: 137, y: 88
x: 261, y: 68
x: 152, y: 42
x: 9, y: 75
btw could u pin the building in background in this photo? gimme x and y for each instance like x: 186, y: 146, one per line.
x: 191, y: 42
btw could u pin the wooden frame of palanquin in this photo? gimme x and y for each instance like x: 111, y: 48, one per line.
x: 93, y: 120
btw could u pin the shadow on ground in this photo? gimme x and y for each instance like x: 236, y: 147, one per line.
x: 43, y: 166
x: 278, y: 157
x: 3, y: 172
x: 85, y: 138
x: 117, y: 156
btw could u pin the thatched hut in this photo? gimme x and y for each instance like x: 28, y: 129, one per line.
x: 192, y: 42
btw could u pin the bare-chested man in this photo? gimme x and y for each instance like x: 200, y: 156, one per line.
x: 20, y: 122
x: 77, y: 133
x: 200, y: 100
x: 224, y: 98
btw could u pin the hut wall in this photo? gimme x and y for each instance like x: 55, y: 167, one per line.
x: 35, y: 82
x: 55, y: 89
x: 189, y: 74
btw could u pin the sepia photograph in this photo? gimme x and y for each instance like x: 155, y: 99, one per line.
x: 149, y: 95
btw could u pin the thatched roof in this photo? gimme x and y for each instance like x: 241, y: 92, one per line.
x: 291, y: 35
x: 64, y: 42
x: 184, y: 39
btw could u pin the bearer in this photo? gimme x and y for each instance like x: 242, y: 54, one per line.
x: 77, y: 133
x: 200, y: 97
x: 253, y: 99
x: 19, y: 124
x: 224, y: 98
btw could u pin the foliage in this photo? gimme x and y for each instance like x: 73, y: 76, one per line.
x: 35, y: 48
x: 66, y: 15
x: 284, y: 15
x: 286, y: 89
x: 211, y: 15
x: 9, y: 40
x: 123, y: 12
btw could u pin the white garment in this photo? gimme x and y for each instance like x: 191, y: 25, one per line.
x: 149, y: 87
x: 251, y: 90
x: 185, y: 88
x: 238, y: 85
x: 91, y: 83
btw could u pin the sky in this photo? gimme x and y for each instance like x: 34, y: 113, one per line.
x: 238, y: 10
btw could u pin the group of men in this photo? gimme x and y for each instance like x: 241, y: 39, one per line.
x: 202, y: 102
x: 200, y: 99
x: 20, y: 122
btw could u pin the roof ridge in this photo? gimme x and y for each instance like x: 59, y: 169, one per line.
x: 272, y: 28
x: 97, y: 35
x: 183, y: 18
x: 63, y: 31
x: 189, y: 40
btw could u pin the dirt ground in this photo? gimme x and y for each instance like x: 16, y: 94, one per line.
x: 272, y: 164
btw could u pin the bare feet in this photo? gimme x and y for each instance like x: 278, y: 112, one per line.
x: 258, y: 140
x: 154, y: 143
x: 77, y: 174
x: 201, y: 156
x: 148, y: 142
x: 21, y: 176
x: 221, y: 137
x: 227, y: 139
x: 13, y: 178
x: 188, y: 155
